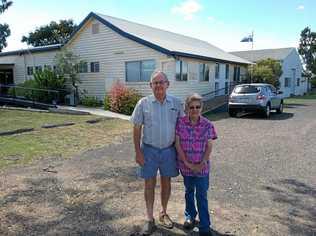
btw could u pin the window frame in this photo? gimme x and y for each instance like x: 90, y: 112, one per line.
x: 95, y: 67
x: 140, y: 70
x: 83, y: 67
x: 216, y: 89
x: 203, y: 76
x: 95, y: 28
x: 217, y: 70
x: 38, y: 69
x: 181, y: 76
x: 287, y: 82
x: 227, y: 71
x: 30, y: 70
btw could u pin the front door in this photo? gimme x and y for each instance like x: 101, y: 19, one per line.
x: 6, y: 78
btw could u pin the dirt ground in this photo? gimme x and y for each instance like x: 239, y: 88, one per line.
x: 262, y: 183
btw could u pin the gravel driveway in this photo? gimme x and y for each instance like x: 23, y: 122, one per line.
x: 263, y: 182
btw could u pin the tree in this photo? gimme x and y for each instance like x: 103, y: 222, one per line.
x: 67, y: 64
x: 54, y: 33
x: 267, y: 71
x: 4, y: 28
x: 307, y: 49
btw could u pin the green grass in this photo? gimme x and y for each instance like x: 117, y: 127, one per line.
x: 56, y: 142
x: 300, y: 99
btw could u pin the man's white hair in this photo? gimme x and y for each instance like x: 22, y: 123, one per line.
x: 157, y: 72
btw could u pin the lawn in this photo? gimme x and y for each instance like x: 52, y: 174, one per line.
x: 55, y: 142
x: 300, y: 99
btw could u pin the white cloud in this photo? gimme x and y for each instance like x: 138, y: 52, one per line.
x: 300, y: 7
x: 187, y: 8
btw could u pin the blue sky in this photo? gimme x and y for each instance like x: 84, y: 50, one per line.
x: 276, y: 23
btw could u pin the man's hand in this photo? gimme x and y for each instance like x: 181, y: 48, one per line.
x: 140, y: 160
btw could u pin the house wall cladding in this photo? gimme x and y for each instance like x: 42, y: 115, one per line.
x: 292, y: 61
x: 111, y: 50
x: 21, y: 62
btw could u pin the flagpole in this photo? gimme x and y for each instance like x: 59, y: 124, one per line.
x: 251, y: 56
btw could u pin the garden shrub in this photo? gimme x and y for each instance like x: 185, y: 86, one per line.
x: 36, y: 89
x: 122, y: 99
x: 90, y: 101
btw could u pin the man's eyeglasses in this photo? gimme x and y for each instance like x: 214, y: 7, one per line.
x: 195, y: 107
x: 162, y: 82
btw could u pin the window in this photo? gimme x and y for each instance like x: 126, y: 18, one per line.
x: 204, y: 70
x: 47, y: 67
x: 94, y: 67
x: 287, y: 82
x: 83, y: 67
x: 236, y: 73
x: 226, y: 87
x: 137, y: 71
x: 216, y: 88
x: 181, y: 70
x: 227, y: 71
x: 244, y: 89
x: 30, y: 70
x: 298, y: 82
x: 95, y: 28
x: 216, y: 70
x: 38, y: 68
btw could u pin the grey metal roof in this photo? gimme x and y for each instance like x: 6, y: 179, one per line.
x: 168, y: 42
x: 257, y: 55
x: 31, y: 50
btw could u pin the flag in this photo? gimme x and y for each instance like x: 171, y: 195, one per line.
x: 247, y: 39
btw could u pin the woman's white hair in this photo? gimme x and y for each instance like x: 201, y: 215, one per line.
x: 192, y: 98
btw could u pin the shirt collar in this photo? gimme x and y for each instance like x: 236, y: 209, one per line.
x: 153, y: 98
x: 188, y: 122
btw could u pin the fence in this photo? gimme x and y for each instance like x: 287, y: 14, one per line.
x: 37, y: 95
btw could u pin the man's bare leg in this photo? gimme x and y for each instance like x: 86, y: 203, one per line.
x: 149, y: 194
x: 165, y: 188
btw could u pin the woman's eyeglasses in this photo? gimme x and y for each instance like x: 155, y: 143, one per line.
x: 195, y: 107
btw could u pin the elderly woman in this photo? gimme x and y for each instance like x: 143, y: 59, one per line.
x: 194, y: 135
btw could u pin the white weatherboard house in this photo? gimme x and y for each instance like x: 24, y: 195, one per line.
x: 291, y: 81
x: 116, y: 49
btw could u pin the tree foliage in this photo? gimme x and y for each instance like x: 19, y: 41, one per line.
x: 67, y: 65
x: 267, y: 71
x: 54, y: 33
x: 307, y: 49
x: 4, y: 28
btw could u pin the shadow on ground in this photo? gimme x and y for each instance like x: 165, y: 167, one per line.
x: 300, y: 200
x: 46, y: 207
x: 294, y: 105
x: 273, y: 116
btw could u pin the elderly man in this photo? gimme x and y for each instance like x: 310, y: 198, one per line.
x: 154, y: 120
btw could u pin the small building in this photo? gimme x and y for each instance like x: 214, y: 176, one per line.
x: 291, y: 81
x: 115, y: 49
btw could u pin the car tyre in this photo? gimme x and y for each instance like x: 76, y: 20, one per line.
x: 267, y: 111
x: 232, y: 113
x: 280, y: 109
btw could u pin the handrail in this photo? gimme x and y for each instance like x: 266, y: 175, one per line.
x: 47, y: 96
x: 217, y: 91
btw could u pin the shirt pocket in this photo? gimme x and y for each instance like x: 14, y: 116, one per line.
x: 147, y: 118
x: 173, y: 115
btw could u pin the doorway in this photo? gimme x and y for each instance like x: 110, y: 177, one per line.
x: 6, y: 78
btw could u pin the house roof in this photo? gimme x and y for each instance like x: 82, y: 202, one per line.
x: 257, y: 55
x: 29, y: 50
x: 164, y: 41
